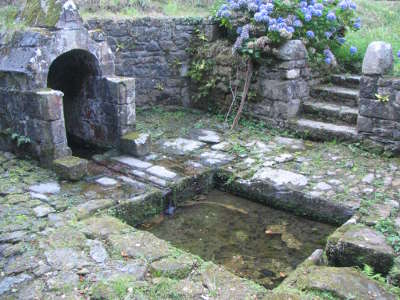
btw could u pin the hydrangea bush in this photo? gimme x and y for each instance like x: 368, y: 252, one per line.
x: 260, y: 26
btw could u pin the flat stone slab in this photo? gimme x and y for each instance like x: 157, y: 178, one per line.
x: 70, y: 167
x: 106, y: 181
x: 45, y: 188
x: 181, y: 146
x: 345, y: 283
x: 133, y: 162
x: 205, y: 135
x: 289, y: 143
x: 43, y: 210
x: 356, y: 245
x: 215, y: 158
x: 162, y: 172
x: 139, y: 244
x: 280, y: 177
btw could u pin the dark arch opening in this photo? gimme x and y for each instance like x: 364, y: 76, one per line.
x: 75, y: 73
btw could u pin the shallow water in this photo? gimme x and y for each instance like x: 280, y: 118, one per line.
x: 249, y: 239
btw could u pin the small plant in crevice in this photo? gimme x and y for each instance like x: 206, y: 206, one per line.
x: 389, y: 229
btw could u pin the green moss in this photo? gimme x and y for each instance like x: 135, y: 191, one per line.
x: 68, y: 161
x: 131, y: 136
x: 35, y: 15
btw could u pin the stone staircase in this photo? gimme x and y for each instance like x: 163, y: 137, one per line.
x: 332, y: 110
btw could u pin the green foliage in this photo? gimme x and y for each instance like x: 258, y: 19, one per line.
x: 370, y: 272
x: 388, y: 228
x: 380, y: 22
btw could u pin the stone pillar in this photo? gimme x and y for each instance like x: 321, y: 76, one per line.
x: 379, y: 107
x: 121, y: 93
x: 46, y: 126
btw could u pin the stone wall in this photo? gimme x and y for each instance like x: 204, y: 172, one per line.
x: 379, y: 120
x: 379, y: 108
x: 159, y: 54
x: 155, y: 52
x: 278, y: 85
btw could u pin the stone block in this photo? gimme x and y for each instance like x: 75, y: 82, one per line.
x: 292, y: 50
x: 356, y: 245
x: 70, y: 167
x: 121, y: 90
x: 368, y: 86
x: 364, y: 124
x: 50, y: 104
x: 378, y: 59
x: 136, y: 144
x: 377, y: 109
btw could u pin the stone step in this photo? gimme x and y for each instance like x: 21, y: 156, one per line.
x: 338, y: 94
x: 325, y: 131
x: 330, y: 112
x: 346, y: 80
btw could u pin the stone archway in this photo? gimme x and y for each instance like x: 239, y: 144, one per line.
x: 76, y: 73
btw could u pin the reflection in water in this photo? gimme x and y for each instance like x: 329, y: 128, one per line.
x: 249, y: 239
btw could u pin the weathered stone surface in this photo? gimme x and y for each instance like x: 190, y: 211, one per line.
x: 181, y: 146
x: 162, y: 172
x: 342, y: 282
x: 292, y: 50
x: 43, y: 210
x: 70, y: 167
x: 89, y: 208
x: 139, y: 245
x: 136, y: 144
x: 215, y: 158
x: 107, y: 181
x: 8, y: 283
x: 133, y: 162
x: 280, y: 177
x: 65, y: 259
x: 206, y: 136
x: 378, y: 59
x: 173, y: 267
x: 356, y: 245
x: 46, y: 188
x: 227, y: 286
x: 104, y: 226
x: 97, y: 251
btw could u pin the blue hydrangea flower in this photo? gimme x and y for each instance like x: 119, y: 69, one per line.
x: 328, y: 60
x: 357, y: 25
x: 331, y: 16
x: 310, y: 34
x: 353, y: 50
x: 297, y: 23
x: 398, y: 54
x: 328, y: 34
x: 341, y: 40
x: 307, y: 17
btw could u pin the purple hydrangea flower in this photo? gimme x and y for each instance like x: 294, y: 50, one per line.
x: 310, y: 34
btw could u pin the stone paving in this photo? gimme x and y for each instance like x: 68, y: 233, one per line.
x: 76, y: 240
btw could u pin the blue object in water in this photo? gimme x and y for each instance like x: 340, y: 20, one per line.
x: 170, y: 210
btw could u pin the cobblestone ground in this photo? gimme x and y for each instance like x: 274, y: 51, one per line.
x: 62, y: 240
